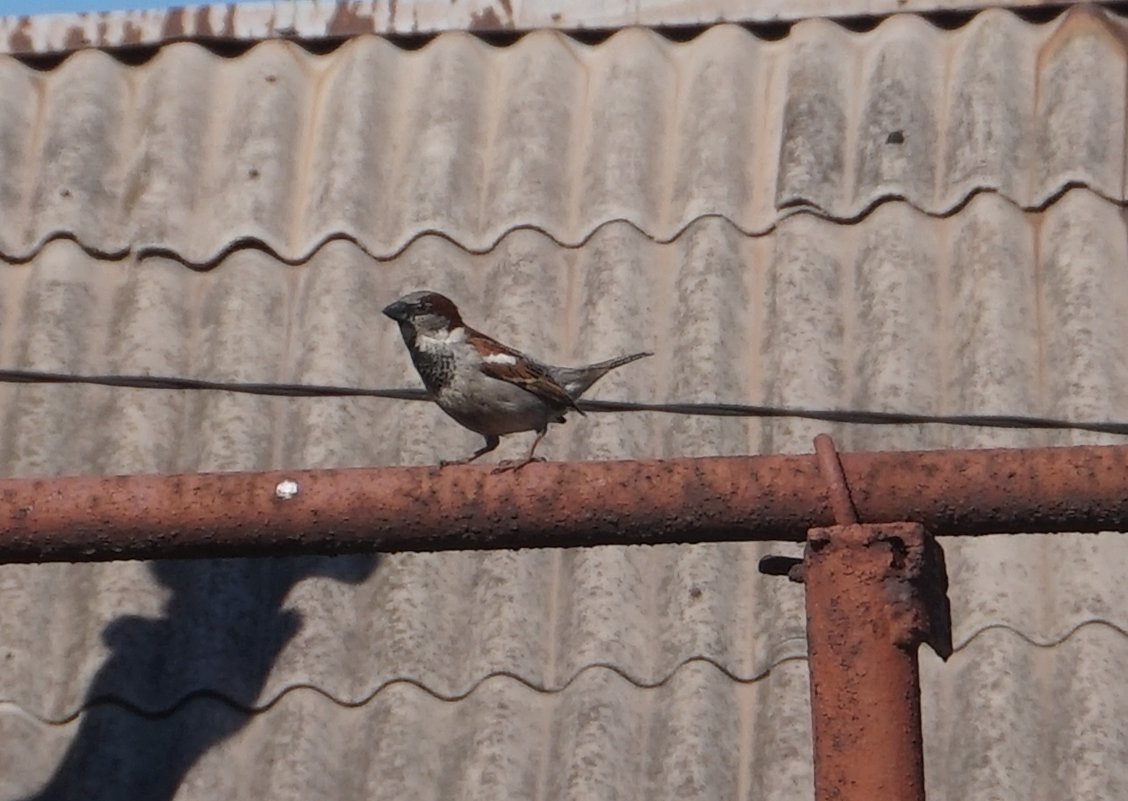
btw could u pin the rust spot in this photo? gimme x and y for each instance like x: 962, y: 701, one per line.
x: 487, y: 20
x: 203, y: 21
x: 173, y: 25
x: 229, y: 21
x: 1084, y: 27
x: 346, y: 20
x: 20, y: 41
x: 75, y: 38
x: 131, y: 33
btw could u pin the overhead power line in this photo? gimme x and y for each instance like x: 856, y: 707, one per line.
x: 856, y: 416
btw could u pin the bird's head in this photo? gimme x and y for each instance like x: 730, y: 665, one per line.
x: 425, y: 312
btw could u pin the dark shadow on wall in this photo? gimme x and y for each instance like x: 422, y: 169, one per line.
x: 209, y: 656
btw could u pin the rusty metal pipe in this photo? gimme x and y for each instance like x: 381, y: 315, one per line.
x: 874, y: 593
x: 841, y: 504
x: 559, y: 504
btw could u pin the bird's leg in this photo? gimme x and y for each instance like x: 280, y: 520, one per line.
x: 517, y: 465
x: 491, y: 443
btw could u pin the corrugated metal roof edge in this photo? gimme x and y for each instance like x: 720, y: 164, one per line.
x: 788, y: 651
x: 273, y: 249
x: 247, y: 23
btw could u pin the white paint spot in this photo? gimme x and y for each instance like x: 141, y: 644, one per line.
x: 286, y: 490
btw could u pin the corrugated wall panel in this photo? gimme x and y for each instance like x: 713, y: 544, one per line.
x: 380, y: 145
x: 978, y: 312
x: 601, y: 737
x: 604, y: 737
x: 578, y: 201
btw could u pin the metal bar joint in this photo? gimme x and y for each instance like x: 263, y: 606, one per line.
x: 905, y: 561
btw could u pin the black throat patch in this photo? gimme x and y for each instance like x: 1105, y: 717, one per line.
x: 436, y: 369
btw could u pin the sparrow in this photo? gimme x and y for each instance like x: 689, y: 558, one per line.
x: 488, y: 387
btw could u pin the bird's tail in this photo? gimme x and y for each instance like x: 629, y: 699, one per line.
x: 578, y: 380
x: 611, y: 364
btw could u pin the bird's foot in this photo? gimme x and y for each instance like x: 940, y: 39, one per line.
x: 514, y: 464
x: 451, y: 462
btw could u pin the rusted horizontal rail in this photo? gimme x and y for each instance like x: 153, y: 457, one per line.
x: 556, y: 504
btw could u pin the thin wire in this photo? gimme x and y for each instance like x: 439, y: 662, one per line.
x: 175, y: 382
x: 703, y: 409
x: 861, y: 416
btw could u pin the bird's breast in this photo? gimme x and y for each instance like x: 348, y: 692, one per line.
x: 435, y: 367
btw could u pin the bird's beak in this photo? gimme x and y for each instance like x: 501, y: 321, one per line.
x: 397, y: 311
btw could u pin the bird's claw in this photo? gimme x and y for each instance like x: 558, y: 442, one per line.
x: 514, y: 464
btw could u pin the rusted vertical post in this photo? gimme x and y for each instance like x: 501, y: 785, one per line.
x: 872, y: 594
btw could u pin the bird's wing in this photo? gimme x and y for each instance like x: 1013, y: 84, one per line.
x: 506, y: 364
